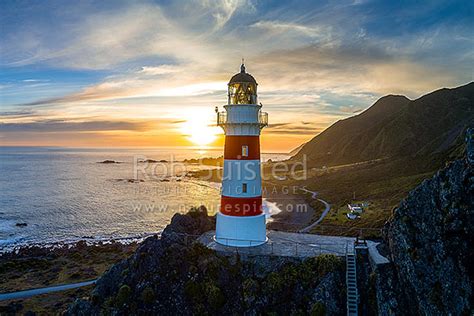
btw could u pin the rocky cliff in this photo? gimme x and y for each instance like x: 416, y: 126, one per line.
x: 176, y: 275
x: 430, y: 238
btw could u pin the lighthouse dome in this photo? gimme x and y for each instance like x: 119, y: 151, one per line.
x: 242, y: 76
x: 242, y: 88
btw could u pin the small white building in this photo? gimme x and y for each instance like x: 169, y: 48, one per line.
x: 355, y: 208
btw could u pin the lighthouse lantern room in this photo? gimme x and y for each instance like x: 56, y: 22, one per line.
x: 241, y: 220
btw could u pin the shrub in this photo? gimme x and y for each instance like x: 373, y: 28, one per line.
x: 327, y: 263
x: 148, y: 295
x: 318, y: 309
x: 124, y: 272
x: 193, y: 291
x: 95, y: 298
x: 123, y: 295
x: 249, y: 288
x: 436, y: 295
x: 214, y: 296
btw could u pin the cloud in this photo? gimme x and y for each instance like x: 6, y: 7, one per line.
x: 17, y: 114
x: 158, y: 60
x: 160, y: 70
x: 293, y: 129
x: 278, y: 28
x: 66, y: 126
x: 222, y: 11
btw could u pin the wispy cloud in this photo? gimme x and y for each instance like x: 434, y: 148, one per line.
x: 155, y: 60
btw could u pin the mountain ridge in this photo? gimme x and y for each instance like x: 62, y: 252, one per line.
x: 395, y: 126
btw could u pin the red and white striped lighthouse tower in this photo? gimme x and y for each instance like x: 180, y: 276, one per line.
x: 241, y: 220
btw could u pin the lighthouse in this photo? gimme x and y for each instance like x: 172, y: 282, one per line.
x: 241, y: 220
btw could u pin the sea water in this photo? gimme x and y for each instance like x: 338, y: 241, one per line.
x: 65, y: 194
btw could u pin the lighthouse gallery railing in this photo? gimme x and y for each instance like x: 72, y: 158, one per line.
x: 222, y: 119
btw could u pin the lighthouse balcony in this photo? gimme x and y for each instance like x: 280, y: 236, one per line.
x: 221, y: 118
x: 262, y: 120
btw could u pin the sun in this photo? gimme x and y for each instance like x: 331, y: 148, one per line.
x: 198, y: 128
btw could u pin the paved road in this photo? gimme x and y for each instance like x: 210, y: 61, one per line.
x: 44, y: 290
x: 327, y: 208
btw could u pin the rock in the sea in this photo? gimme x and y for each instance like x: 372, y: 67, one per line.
x: 109, y: 161
x: 21, y: 224
x: 153, y: 161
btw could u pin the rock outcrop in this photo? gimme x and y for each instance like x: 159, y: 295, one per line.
x: 175, y: 274
x: 430, y: 238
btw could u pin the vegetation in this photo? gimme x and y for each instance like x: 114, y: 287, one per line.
x: 148, y: 295
x: 36, y: 267
x: 123, y: 295
x: 387, y: 129
x: 318, y: 309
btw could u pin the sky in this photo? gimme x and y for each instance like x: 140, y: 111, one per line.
x: 150, y: 73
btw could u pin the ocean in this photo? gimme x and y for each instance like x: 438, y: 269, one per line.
x: 64, y: 194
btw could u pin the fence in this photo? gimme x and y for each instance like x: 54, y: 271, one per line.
x: 275, y: 246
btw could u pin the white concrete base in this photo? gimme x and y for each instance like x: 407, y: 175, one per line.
x: 240, y: 231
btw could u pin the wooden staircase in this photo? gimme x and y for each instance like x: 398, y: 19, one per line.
x: 351, y: 281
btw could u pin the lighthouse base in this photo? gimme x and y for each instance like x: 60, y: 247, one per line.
x: 240, y: 231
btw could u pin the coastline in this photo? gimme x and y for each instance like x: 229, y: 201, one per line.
x: 281, y: 210
x: 72, y: 242
x: 295, y: 212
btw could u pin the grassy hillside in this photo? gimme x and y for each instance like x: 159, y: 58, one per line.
x: 381, y: 154
x: 396, y: 127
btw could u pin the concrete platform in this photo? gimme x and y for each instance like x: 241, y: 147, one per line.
x: 287, y: 245
x: 375, y: 255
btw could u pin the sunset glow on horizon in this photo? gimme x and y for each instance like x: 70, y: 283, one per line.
x: 150, y: 73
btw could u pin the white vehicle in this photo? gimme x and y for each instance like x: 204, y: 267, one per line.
x: 352, y: 216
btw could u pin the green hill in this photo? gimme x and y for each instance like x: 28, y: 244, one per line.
x: 395, y: 127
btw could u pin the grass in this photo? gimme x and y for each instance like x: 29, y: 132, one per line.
x: 57, y: 267
x: 383, y: 183
x: 383, y: 186
x: 45, y: 304
x: 39, y: 268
